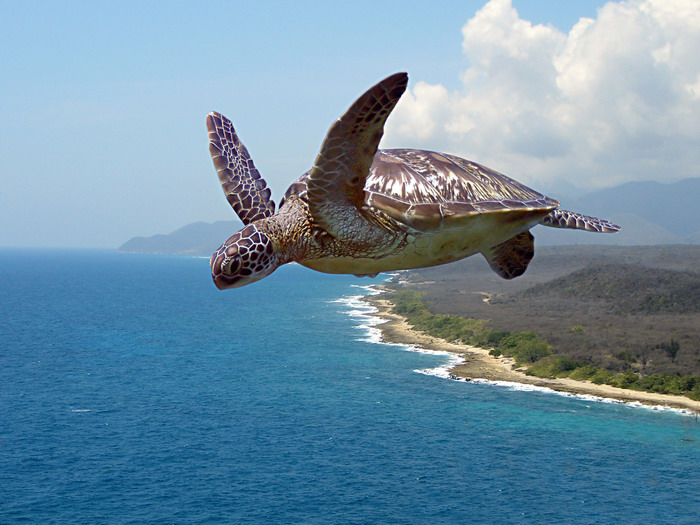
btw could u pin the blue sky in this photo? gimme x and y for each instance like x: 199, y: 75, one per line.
x: 103, y: 137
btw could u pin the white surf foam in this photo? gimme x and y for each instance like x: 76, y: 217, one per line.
x: 367, y: 320
x: 583, y: 397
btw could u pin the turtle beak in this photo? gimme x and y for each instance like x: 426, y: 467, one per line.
x: 224, y: 283
x: 219, y: 282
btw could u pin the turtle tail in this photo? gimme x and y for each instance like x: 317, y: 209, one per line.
x: 576, y: 221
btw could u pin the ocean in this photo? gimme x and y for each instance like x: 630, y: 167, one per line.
x: 133, y: 391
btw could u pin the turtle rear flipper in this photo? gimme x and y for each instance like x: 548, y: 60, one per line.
x: 576, y: 221
x: 510, y: 259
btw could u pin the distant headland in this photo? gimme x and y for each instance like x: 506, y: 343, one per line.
x: 198, y: 238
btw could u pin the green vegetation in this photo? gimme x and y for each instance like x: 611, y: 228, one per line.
x: 529, y: 350
x: 555, y: 366
x: 524, y: 347
x: 448, y: 327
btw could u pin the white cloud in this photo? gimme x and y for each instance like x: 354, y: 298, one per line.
x: 615, y: 99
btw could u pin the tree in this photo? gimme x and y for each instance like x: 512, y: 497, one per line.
x: 671, y: 349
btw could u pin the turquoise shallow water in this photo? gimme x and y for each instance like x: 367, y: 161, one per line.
x: 131, y: 390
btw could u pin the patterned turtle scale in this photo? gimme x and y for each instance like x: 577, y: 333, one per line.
x: 246, y: 191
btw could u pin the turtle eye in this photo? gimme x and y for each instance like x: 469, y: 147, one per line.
x: 233, y: 265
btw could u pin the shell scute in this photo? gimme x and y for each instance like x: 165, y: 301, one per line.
x: 427, y: 190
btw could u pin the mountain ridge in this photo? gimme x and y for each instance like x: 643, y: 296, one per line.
x: 197, y: 238
x: 649, y: 212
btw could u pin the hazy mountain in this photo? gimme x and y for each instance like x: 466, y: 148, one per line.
x: 649, y: 213
x: 693, y: 238
x: 673, y: 206
x: 635, y: 231
x: 198, y: 238
x: 561, y: 190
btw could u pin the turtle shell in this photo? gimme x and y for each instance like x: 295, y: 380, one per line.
x: 427, y: 190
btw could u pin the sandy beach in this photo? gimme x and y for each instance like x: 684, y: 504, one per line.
x: 478, y: 364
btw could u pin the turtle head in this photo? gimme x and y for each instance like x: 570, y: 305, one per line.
x: 246, y: 257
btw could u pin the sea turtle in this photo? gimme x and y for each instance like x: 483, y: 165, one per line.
x: 362, y: 211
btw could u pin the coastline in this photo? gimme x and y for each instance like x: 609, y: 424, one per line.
x: 477, y: 364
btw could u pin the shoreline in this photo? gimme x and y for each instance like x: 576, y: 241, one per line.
x: 478, y: 364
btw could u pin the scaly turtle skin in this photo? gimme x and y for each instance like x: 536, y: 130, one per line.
x: 362, y: 211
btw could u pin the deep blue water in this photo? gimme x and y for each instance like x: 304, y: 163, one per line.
x: 131, y: 390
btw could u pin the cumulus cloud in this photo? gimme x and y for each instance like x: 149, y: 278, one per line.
x: 616, y: 99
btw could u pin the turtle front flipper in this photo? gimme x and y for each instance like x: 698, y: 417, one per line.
x: 510, y: 259
x: 337, y: 180
x: 576, y: 221
x: 246, y: 191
